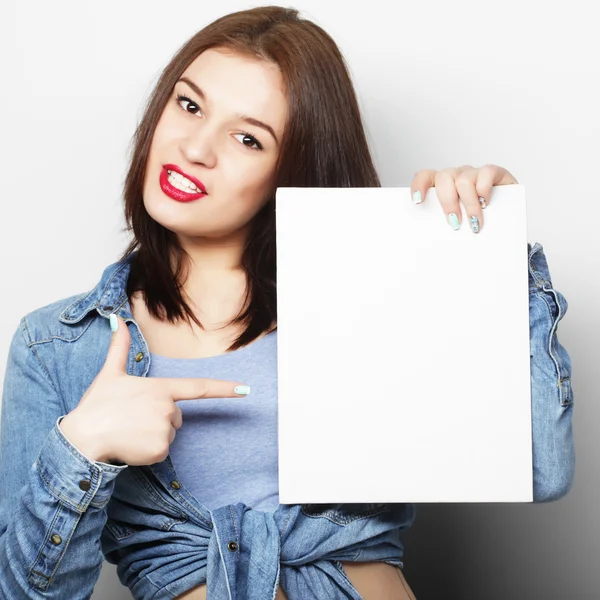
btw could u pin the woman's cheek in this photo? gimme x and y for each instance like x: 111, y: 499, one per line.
x: 254, y: 179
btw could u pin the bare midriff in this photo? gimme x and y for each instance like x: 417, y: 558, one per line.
x: 373, y: 580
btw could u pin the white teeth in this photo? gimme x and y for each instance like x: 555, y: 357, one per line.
x: 181, y: 183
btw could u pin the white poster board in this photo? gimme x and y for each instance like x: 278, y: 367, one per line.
x: 403, y: 349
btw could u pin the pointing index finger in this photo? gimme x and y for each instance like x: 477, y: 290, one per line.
x: 182, y: 388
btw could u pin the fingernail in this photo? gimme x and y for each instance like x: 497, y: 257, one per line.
x: 474, y: 222
x: 114, y: 323
x: 417, y: 197
x: 242, y: 390
x: 453, y: 220
x: 482, y: 202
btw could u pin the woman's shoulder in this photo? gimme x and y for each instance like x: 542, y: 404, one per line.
x: 65, y: 318
x: 42, y: 323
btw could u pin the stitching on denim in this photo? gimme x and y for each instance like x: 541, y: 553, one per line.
x: 124, y: 530
x: 35, y: 585
x: 142, y: 343
x: 64, y: 548
x: 237, y: 535
x: 119, y: 532
x: 112, y: 278
x: 533, y: 269
x: 286, y: 523
x: 96, y: 290
x: 34, y: 351
x: 181, y: 498
x: 171, y: 521
x: 57, y: 494
x: 561, y: 369
x: 277, y: 581
x: 96, y: 470
x: 343, y: 518
x: 59, y: 337
x: 95, y: 478
x: 168, y: 522
x: 550, y: 298
x: 76, y: 302
x: 140, y: 476
x: 75, y: 305
x: 25, y: 330
x: 41, y: 550
x: 178, y: 497
x: 120, y: 306
x: 569, y: 400
x: 158, y: 587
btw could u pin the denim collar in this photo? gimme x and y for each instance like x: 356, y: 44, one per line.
x: 109, y: 295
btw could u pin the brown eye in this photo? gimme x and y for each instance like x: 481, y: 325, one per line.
x: 250, y: 141
x: 181, y: 99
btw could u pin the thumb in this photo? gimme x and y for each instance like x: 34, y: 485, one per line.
x: 118, y: 351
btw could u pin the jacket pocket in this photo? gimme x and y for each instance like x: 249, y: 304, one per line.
x: 344, y: 514
x: 119, y: 529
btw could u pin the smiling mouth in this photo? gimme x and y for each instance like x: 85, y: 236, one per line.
x: 182, y: 177
x: 168, y: 183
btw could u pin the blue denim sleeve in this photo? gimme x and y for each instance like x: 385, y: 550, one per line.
x: 551, y: 390
x: 52, y: 498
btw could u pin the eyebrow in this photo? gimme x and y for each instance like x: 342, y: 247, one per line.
x: 249, y: 120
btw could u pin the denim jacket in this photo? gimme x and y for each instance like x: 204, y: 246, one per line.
x: 62, y: 514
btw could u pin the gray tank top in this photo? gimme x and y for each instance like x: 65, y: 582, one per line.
x: 226, y: 450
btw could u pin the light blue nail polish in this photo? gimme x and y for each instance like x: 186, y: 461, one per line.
x: 114, y: 324
x: 243, y: 390
x: 474, y: 222
x: 417, y: 197
x: 453, y: 220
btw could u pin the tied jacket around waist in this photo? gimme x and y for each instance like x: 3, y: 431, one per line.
x: 61, y: 514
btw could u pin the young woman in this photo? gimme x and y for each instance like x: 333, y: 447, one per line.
x: 257, y: 100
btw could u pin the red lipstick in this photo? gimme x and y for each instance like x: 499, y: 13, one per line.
x: 176, y: 193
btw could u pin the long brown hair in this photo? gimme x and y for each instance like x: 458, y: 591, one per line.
x: 324, y: 145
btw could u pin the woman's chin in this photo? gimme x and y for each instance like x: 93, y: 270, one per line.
x: 167, y: 212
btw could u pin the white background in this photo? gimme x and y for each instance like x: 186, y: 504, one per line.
x: 440, y: 84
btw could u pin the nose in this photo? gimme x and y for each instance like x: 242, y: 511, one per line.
x: 198, y: 146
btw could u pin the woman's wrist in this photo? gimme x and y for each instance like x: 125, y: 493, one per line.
x: 72, y: 431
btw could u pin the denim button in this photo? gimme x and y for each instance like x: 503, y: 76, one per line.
x: 232, y: 546
x: 56, y: 539
x: 139, y: 356
x: 175, y: 484
x: 85, y: 485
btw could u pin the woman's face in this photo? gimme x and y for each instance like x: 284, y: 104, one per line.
x: 220, y: 135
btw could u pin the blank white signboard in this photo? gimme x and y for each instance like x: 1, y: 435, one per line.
x: 403, y: 349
